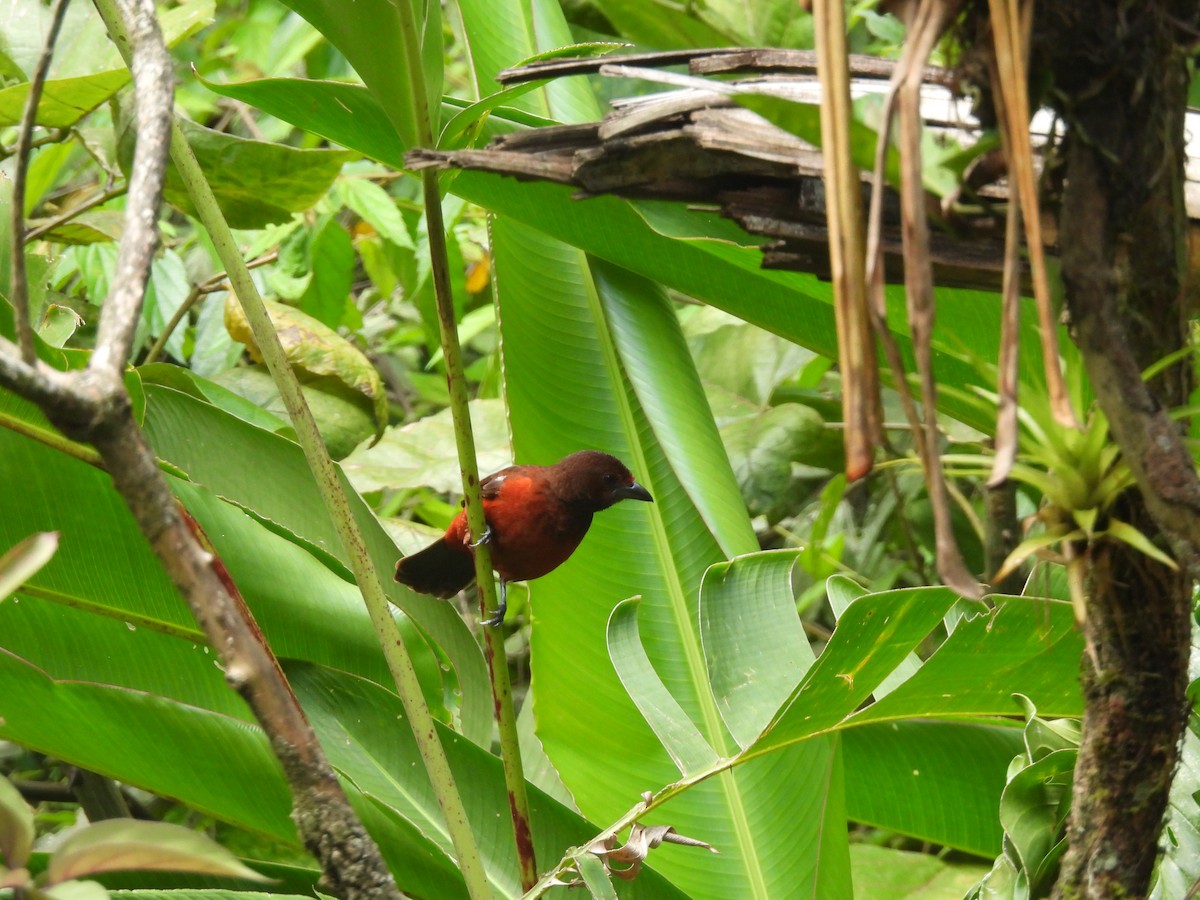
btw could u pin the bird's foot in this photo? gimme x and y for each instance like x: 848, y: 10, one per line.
x: 497, y: 618
x: 486, y: 538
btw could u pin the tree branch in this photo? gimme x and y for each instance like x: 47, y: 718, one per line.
x: 153, y: 84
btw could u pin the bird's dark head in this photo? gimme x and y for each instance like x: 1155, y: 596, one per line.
x: 596, y: 480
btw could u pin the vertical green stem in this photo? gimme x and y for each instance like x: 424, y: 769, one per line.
x: 506, y: 720
x: 456, y: 379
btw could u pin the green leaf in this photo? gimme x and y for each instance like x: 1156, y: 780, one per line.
x: 187, y: 382
x: 348, y: 114
x: 256, y: 183
x: 369, y: 35
x: 20, y: 562
x: 424, y: 452
x: 1024, y: 645
x: 764, y: 445
x: 377, y: 208
x: 843, y: 590
x: 881, y: 873
x: 1180, y: 866
x: 872, y: 637
x: 661, y: 24
x: 328, y: 293
x: 564, y: 324
x: 1033, y: 810
x: 934, y: 780
x: 1123, y: 531
x: 503, y: 34
x: 754, y: 644
x: 122, y: 844
x: 365, y: 733
x: 96, y: 226
x: 688, y: 748
x: 315, y: 351
x: 16, y: 826
x: 145, y: 740
x: 795, y: 306
x: 199, y: 439
x: 595, y: 877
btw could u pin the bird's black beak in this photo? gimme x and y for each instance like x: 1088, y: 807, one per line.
x: 633, y: 492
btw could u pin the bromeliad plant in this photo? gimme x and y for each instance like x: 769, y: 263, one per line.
x: 1079, y: 473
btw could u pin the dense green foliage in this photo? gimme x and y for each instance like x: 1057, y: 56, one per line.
x: 642, y: 329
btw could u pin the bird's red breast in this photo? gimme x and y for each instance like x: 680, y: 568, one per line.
x: 537, y: 515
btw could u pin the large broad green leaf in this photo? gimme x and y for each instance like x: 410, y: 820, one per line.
x: 369, y: 35
x: 149, y: 741
x: 358, y: 721
x: 105, y: 568
x: 678, y: 734
x: 873, y: 636
x: 904, y: 776
x: 350, y: 115
x: 754, y: 644
x: 256, y: 183
x: 567, y: 325
x: 934, y: 780
x: 505, y: 33
x: 1022, y: 646
x: 201, y: 440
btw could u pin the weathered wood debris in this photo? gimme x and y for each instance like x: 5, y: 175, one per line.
x: 697, y: 146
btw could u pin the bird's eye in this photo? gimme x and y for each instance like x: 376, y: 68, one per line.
x: 609, y: 478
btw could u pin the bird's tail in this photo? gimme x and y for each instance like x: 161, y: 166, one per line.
x: 442, y: 569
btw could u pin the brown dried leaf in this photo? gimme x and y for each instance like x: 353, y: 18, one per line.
x: 625, y: 861
x: 924, y: 30
x: 1010, y: 32
x: 861, y: 404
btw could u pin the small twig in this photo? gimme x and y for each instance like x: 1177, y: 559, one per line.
x: 52, y: 136
x: 210, y: 285
x: 20, y: 279
x: 91, y: 202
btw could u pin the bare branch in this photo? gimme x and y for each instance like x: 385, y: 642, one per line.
x: 20, y: 280
x: 153, y: 89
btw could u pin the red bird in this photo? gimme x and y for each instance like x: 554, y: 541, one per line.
x: 536, y: 517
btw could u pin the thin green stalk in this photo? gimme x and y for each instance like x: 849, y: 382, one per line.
x: 506, y: 720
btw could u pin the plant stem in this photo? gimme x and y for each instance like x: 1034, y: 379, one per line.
x: 506, y: 720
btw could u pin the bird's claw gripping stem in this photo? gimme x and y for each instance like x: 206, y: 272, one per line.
x: 486, y: 538
x: 497, y: 618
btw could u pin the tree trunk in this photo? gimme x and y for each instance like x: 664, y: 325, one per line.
x: 1120, y: 78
